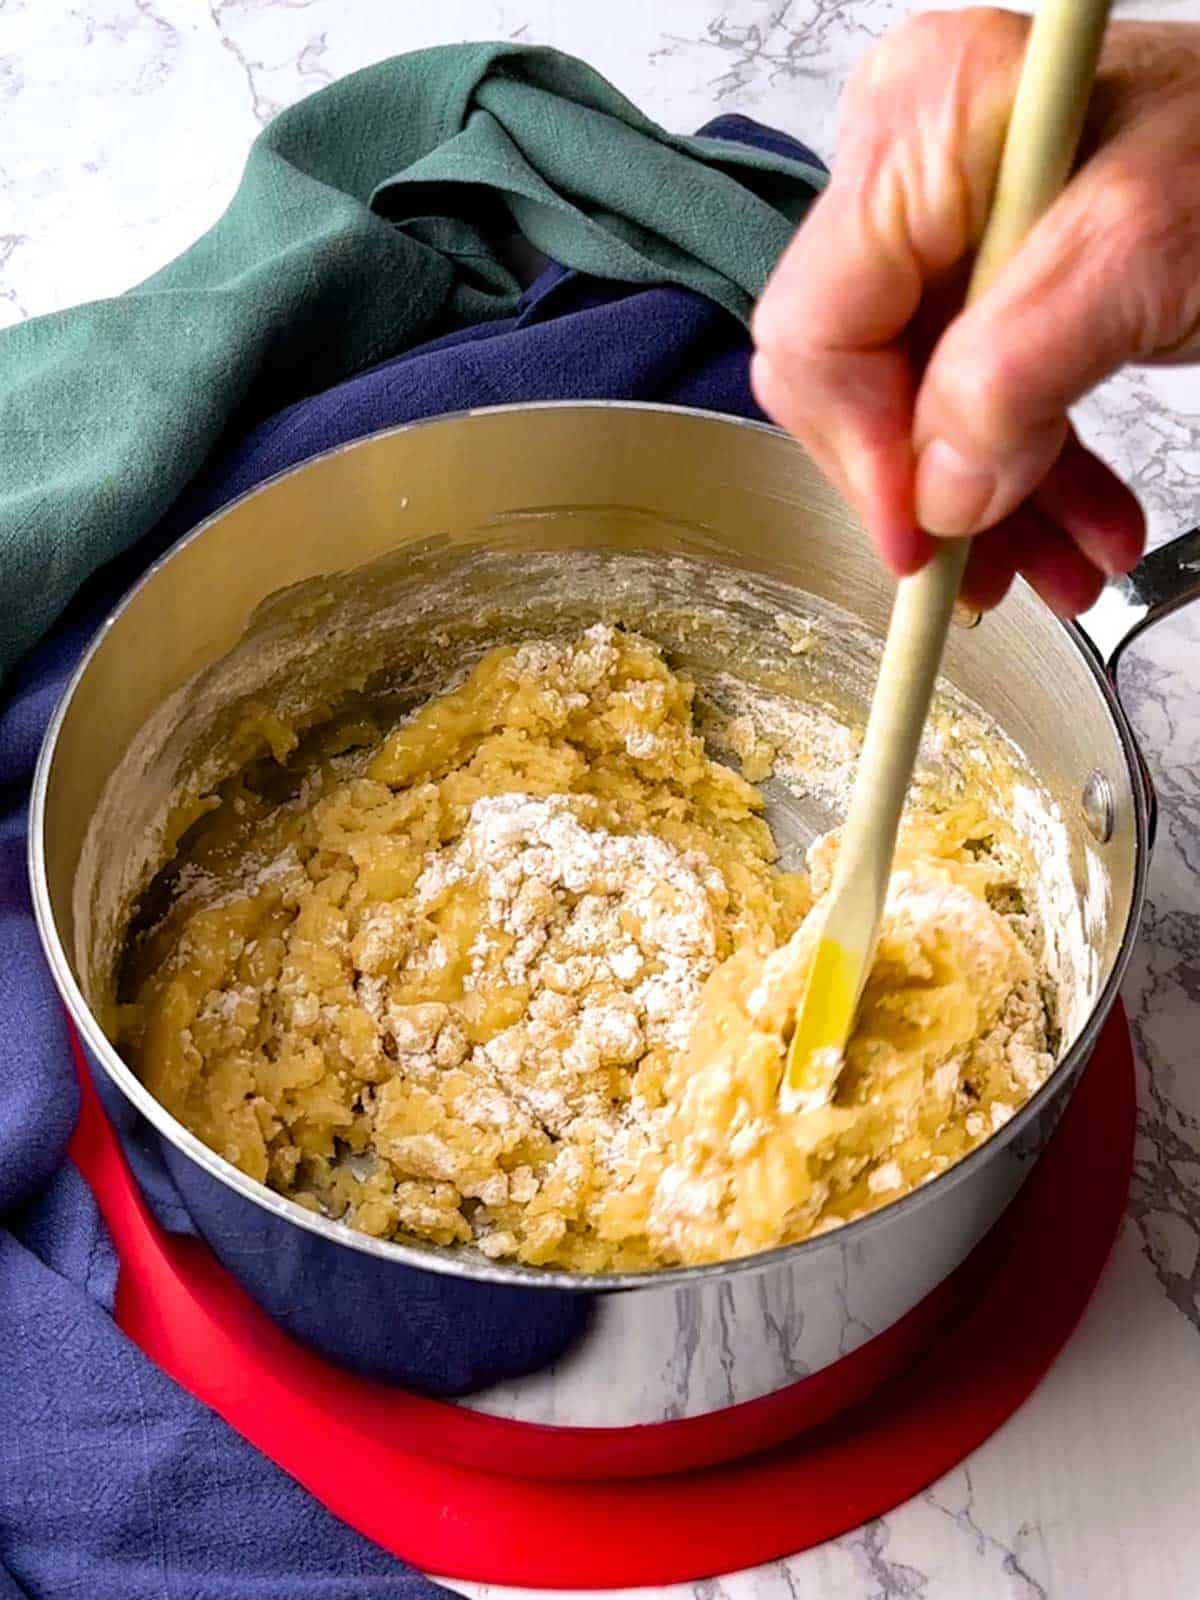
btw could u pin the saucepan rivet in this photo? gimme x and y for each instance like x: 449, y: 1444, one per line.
x: 964, y: 617
x: 1097, y: 804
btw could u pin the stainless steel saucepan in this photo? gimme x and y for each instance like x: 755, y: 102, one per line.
x: 378, y: 564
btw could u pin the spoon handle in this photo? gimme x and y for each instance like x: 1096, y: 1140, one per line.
x: 1039, y: 149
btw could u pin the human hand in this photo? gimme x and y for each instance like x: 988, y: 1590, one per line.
x: 938, y: 420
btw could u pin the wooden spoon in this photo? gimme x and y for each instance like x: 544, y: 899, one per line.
x: 1039, y: 149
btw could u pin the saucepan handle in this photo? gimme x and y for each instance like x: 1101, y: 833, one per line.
x: 1160, y: 583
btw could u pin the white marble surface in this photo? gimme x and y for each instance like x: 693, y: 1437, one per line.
x: 123, y: 125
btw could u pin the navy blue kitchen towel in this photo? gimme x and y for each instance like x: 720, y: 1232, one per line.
x: 114, y: 1483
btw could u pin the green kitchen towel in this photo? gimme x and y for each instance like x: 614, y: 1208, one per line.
x: 370, y: 217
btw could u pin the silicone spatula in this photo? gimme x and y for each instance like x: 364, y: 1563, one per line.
x: 1039, y: 149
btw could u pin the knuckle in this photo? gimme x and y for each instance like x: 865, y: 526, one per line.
x: 987, y: 386
x: 1003, y: 375
x: 1141, y: 229
x: 1130, y: 205
x: 903, y: 52
x: 994, y: 35
x: 928, y: 122
x: 922, y: 44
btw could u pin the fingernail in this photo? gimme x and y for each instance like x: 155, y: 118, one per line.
x: 952, y: 492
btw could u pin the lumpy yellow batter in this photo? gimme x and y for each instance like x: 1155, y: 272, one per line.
x: 520, y: 973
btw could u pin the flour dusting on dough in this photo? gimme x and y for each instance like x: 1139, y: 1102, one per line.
x: 519, y: 972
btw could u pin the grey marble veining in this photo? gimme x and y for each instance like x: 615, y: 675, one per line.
x: 127, y: 122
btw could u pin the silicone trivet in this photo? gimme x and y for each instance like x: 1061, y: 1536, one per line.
x: 358, y: 1446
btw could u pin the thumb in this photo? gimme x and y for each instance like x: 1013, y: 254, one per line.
x: 1108, y: 275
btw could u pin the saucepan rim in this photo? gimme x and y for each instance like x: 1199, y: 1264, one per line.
x: 473, y: 1266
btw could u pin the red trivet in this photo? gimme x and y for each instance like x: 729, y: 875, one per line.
x: 376, y: 1456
